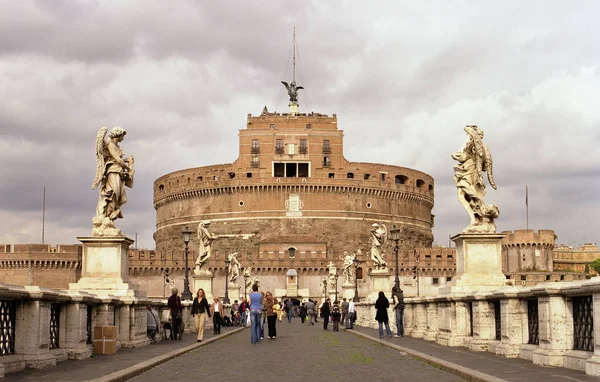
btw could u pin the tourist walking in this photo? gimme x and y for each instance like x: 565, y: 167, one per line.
x: 350, y: 317
x: 289, y: 309
x: 303, y: 312
x: 200, y: 311
x: 174, y: 305
x: 382, y: 304
x: 244, y: 308
x: 398, y: 297
x: 344, y: 306
x: 326, y: 312
x: 255, y: 313
x: 263, y: 316
x: 336, y: 314
x: 217, y: 313
x: 270, y: 302
x: 310, y: 311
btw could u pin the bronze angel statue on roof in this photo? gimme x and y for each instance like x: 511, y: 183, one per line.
x: 292, y: 90
x: 114, y: 172
x: 473, y: 160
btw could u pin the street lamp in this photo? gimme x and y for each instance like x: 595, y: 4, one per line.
x: 356, y: 262
x: 226, y: 299
x: 395, y: 235
x: 416, y: 270
x: 245, y: 288
x: 336, y: 279
x: 187, y: 294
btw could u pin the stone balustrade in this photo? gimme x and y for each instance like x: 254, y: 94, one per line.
x: 550, y: 324
x: 42, y: 326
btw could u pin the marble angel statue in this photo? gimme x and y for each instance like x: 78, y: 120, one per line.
x: 292, y: 90
x: 248, y: 278
x: 205, y: 239
x: 347, y: 267
x: 378, y: 240
x: 234, y: 268
x: 473, y: 160
x: 114, y: 172
x: 332, y: 275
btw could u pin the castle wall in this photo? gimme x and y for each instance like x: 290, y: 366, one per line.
x: 527, y: 250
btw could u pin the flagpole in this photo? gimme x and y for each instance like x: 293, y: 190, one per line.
x: 43, y: 215
x: 527, y: 204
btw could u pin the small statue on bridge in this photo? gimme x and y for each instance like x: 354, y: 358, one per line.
x: 378, y: 240
x: 205, y: 239
x: 234, y: 267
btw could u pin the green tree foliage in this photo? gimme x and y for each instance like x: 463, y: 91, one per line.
x: 596, y: 265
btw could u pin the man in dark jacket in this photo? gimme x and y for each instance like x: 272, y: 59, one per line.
x: 326, y: 311
x: 398, y: 300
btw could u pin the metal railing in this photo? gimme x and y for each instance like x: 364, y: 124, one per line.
x: 255, y: 150
x: 303, y: 149
x: 533, y: 322
x: 7, y: 327
x: 497, y: 319
x: 54, y: 326
x: 278, y: 150
x: 88, y: 325
x: 583, y: 323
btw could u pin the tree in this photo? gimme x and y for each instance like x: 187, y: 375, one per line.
x: 596, y: 265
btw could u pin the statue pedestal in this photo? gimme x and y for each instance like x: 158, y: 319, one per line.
x: 478, y: 263
x: 380, y: 280
x: 348, y: 291
x: 105, y: 267
x: 203, y: 280
x: 234, y: 292
x: 293, y: 108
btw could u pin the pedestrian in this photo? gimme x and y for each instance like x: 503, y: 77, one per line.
x: 336, y: 314
x: 217, y: 313
x: 325, y: 313
x: 382, y: 304
x: 344, y: 306
x: 310, y: 311
x: 350, y: 318
x: 303, y: 312
x: 398, y: 297
x: 317, y: 311
x: 263, y: 317
x: 174, y: 305
x: 289, y: 308
x: 255, y: 313
x: 152, y: 323
x: 244, y: 308
x: 200, y: 311
x: 234, y: 309
x: 270, y: 303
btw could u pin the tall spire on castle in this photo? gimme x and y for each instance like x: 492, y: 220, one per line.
x: 292, y: 88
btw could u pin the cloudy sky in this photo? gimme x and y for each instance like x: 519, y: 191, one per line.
x: 404, y: 77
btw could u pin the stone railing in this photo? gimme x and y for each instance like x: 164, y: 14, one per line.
x: 549, y: 324
x: 42, y: 326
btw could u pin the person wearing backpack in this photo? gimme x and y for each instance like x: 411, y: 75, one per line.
x: 336, y: 315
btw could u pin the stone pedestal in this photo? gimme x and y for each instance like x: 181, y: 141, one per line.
x: 380, y: 280
x: 234, y: 292
x: 478, y: 263
x: 348, y: 291
x: 293, y: 108
x: 205, y: 281
x: 105, y: 267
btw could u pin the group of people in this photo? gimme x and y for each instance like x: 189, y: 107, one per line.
x: 261, y: 308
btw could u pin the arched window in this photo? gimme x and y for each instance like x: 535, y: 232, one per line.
x: 292, y: 252
x: 161, y: 187
x: 420, y: 183
x: 401, y: 179
x: 359, y: 273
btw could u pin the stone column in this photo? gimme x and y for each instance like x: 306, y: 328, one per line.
x: 32, y: 334
x: 408, y: 318
x: 514, y: 321
x: 484, y: 325
x: 556, y: 335
x: 76, y: 328
x: 454, y: 323
x: 432, y: 319
x: 105, y: 312
x: 420, y: 319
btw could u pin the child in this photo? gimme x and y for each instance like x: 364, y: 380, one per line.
x: 336, y: 315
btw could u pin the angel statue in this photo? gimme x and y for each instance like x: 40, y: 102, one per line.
x: 332, y: 275
x: 234, y: 268
x: 347, y: 267
x: 473, y: 160
x: 205, y: 238
x: 292, y: 90
x: 378, y: 240
x: 248, y: 278
x: 114, y: 172
x: 324, y: 286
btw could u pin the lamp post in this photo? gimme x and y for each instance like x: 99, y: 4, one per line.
x: 416, y: 270
x: 336, y: 280
x: 245, y: 288
x: 186, y: 294
x: 356, y: 262
x: 395, y: 235
x: 226, y: 299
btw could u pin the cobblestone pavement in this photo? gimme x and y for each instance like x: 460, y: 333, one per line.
x: 102, y: 365
x: 508, y: 369
x: 299, y: 353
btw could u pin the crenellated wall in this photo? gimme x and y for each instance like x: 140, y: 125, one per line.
x: 527, y: 250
